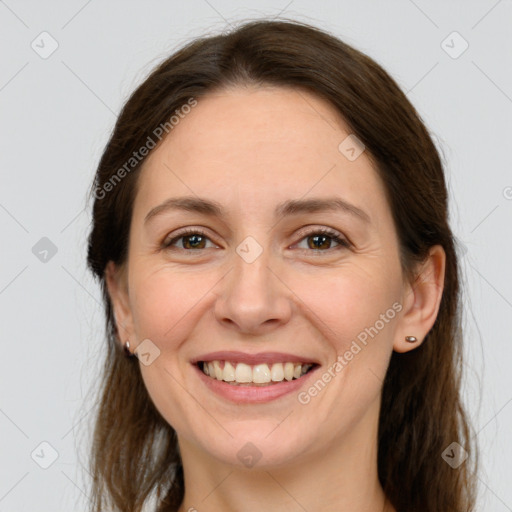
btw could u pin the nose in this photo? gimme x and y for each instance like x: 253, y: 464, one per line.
x: 253, y: 299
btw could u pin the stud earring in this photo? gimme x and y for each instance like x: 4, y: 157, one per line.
x: 411, y: 339
x: 127, y: 352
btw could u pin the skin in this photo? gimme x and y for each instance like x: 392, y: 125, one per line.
x: 250, y: 149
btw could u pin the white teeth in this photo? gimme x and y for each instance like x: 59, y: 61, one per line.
x: 228, y: 374
x: 277, y: 372
x: 241, y: 373
x: 218, y: 370
x: 261, y: 373
x: 288, y: 371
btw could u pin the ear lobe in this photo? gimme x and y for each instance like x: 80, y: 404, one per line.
x: 423, y: 299
x: 117, y: 287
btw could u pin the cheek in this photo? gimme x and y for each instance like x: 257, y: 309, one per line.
x: 354, y: 312
x: 344, y: 303
x: 163, y: 303
x: 165, y: 306
x: 153, y: 306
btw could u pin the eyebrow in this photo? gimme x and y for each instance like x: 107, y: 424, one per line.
x: 287, y: 208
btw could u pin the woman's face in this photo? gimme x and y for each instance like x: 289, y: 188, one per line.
x: 255, y: 280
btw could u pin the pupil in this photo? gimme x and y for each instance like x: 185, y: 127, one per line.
x: 195, y: 240
x: 316, y: 238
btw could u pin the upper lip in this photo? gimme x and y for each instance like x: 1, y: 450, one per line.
x: 253, y: 359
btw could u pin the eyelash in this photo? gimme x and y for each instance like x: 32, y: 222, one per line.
x: 334, y: 235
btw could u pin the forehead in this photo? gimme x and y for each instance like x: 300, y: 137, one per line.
x: 237, y: 121
x: 266, y: 143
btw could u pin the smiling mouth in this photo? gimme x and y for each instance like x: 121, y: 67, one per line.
x: 241, y: 374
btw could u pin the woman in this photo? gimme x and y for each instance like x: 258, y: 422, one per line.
x: 270, y: 231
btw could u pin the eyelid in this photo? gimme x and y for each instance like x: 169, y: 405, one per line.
x: 314, y: 228
x: 304, y: 232
x: 173, y: 237
x: 336, y: 235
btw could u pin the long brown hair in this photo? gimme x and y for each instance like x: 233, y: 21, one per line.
x: 135, y: 454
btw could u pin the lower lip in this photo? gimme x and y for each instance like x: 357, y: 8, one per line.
x: 253, y: 394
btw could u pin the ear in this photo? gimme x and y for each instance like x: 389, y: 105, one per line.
x: 422, y: 300
x: 117, y: 285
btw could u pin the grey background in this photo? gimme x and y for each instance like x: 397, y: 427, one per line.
x: 56, y: 115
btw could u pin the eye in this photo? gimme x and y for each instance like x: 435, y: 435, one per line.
x: 191, y: 239
x: 321, y: 240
